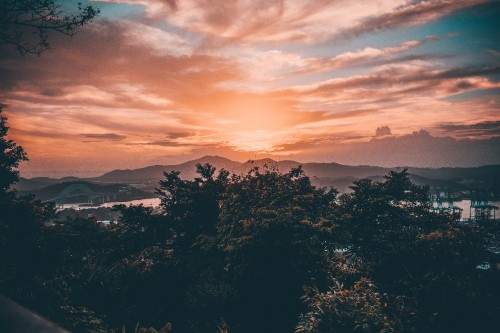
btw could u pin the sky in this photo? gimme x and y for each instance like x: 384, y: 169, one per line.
x: 381, y: 82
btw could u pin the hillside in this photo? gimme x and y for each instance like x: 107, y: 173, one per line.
x: 115, y: 192
x: 323, y: 174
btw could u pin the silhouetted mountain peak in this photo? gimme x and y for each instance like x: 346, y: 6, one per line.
x: 210, y: 159
x: 324, y: 174
x: 262, y: 161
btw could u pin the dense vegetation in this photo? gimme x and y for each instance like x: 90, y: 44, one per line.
x: 260, y: 252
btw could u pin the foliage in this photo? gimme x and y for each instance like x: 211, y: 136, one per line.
x: 273, y: 230
x: 261, y: 252
x: 10, y: 157
x: 26, y: 24
x: 410, y: 254
x: 360, y: 308
x: 21, y: 218
x: 385, y: 218
x: 192, y: 207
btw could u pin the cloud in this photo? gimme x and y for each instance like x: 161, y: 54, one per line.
x: 114, y: 60
x: 270, y: 65
x: 468, y: 71
x: 383, y: 131
x: 223, y: 23
x: 112, y: 85
x: 410, y: 13
x: 182, y: 94
x: 177, y: 135
x: 494, y: 53
x: 164, y: 143
x: 38, y: 134
x: 362, y: 55
x: 247, y: 78
x: 159, y: 40
x: 419, y: 149
x: 475, y: 130
x: 105, y: 136
x: 172, y: 143
x: 399, y: 81
x: 274, y: 65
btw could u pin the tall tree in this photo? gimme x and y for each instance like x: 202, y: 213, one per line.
x: 404, y: 268
x: 21, y: 218
x: 274, y: 230
x: 10, y: 157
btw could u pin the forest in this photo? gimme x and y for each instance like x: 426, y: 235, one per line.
x: 264, y: 251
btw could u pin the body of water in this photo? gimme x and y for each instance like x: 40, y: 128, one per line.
x: 155, y: 202
x: 151, y: 202
x: 465, y: 205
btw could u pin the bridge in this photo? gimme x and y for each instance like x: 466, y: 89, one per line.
x: 79, y: 190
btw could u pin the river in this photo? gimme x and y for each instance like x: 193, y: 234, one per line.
x: 151, y: 202
x: 465, y: 205
x: 155, y: 202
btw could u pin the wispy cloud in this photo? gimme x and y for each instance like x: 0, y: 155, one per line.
x: 409, y: 13
x: 246, y: 21
x: 104, y: 136
x: 362, y: 55
x: 398, y: 81
x: 160, y: 41
x: 483, y: 129
x: 181, y: 78
x: 177, y: 135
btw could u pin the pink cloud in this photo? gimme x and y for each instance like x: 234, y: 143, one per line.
x: 136, y: 82
x: 279, y: 21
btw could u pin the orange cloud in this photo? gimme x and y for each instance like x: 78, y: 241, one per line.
x: 134, y: 91
x: 249, y: 21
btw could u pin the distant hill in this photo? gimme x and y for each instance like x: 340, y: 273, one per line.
x: 323, y: 174
x: 115, y: 192
x: 37, y: 183
x: 188, y: 169
x: 153, y: 174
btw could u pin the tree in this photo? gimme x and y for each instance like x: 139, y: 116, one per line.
x: 360, y: 308
x: 191, y: 211
x: 384, y: 219
x: 421, y: 267
x: 192, y: 207
x: 18, y: 215
x: 21, y: 218
x: 274, y: 230
x: 26, y: 24
x: 10, y: 157
x: 259, y: 237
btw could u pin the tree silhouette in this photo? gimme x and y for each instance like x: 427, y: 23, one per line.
x: 21, y: 218
x: 263, y: 252
x: 273, y: 230
x: 10, y: 157
x: 26, y: 24
x: 404, y: 268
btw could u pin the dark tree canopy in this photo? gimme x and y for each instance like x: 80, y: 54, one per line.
x: 10, y: 157
x: 27, y: 24
x: 261, y: 252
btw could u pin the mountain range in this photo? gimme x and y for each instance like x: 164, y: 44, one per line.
x: 322, y: 174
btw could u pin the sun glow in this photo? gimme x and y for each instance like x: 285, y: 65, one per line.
x: 160, y: 81
x: 251, y: 122
x: 258, y: 141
